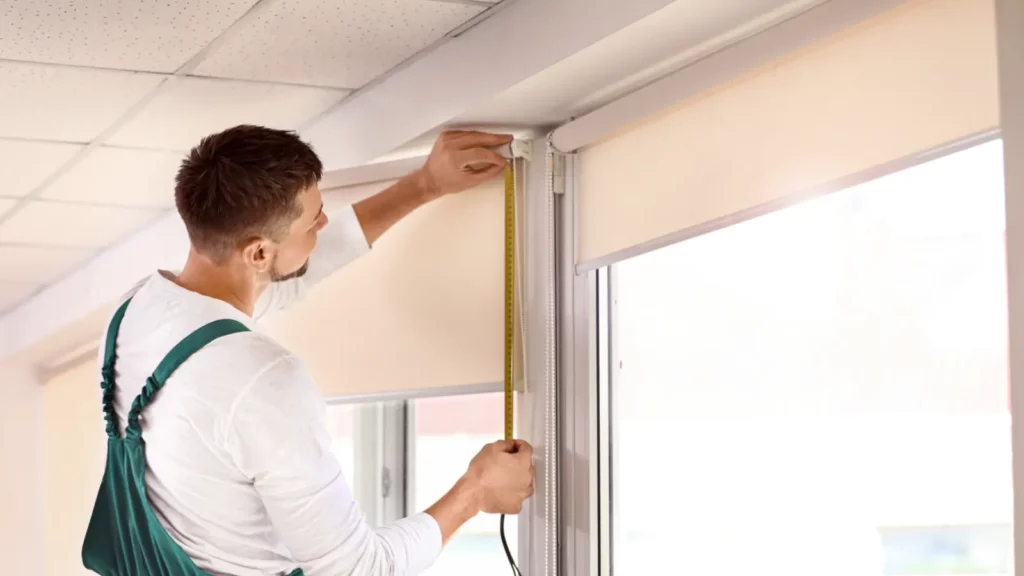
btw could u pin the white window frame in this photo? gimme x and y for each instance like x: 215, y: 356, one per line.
x: 1010, y: 46
x: 534, y: 538
x: 384, y: 435
x: 407, y: 430
x: 586, y: 362
x: 380, y: 456
x: 585, y: 508
x: 583, y: 503
x: 600, y: 282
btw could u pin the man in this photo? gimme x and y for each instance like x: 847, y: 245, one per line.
x: 238, y: 474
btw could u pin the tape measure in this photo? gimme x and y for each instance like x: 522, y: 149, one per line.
x: 517, y: 149
x: 510, y: 282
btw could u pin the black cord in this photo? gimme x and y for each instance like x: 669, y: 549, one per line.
x: 508, y: 551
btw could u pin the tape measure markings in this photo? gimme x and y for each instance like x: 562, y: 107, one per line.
x: 510, y: 279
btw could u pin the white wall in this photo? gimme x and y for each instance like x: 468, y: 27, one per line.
x: 74, y: 449
x: 22, y: 515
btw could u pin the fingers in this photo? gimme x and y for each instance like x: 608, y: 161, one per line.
x: 507, y: 446
x: 520, y: 448
x: 491, y: 172
x: 471, y: 179
x: 479, y: 160
x: 523, y: 447
x: 463, y: 160
x: 462, y: 139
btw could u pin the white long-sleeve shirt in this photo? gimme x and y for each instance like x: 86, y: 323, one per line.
x: 240, y: 470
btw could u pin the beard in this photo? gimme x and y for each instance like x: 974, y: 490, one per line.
x: 276, y: 276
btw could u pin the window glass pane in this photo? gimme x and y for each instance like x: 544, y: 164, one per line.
x: 449, y: 432
x: 367, y: 439
x: 821, y: 390
x: 341, y: 426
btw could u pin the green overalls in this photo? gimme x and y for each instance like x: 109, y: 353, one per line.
x: 124, y: 536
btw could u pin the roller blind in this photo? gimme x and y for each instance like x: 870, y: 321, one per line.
x: 422, y: 310
x: 910, y: 80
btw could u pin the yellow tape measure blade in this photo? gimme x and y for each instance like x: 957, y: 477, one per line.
x: 510, y: 265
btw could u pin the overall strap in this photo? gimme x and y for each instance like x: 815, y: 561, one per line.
x: 175, y: 358
x: 107, y: 371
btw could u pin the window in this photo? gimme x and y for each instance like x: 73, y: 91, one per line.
x: 449, y: 431
x: 341, y: 426
x: 820, y: 390
x: 400, y: 457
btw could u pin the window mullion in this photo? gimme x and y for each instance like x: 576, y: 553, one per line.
x: 394, y: 476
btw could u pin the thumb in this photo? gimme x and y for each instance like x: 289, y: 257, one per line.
x: 477, y: 159
x: 487, y: 173
x: 524, y: 448
x: 507, y: 446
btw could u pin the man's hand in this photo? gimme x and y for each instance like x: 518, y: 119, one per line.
x: 461, y: 160
x: 503, y: 473
x: 498, y: 481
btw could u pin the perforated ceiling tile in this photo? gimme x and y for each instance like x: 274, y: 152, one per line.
x: 35, y: 264
x: 72, y: 225
x: 153, y: 35
x: 342, y: 43
x: 191, y: 108
x: 45, y: 102
x: 121, y: 176
x: 13, y: 293
x: 24, y: 165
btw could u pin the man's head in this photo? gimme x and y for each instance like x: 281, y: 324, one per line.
x: 249, y: 196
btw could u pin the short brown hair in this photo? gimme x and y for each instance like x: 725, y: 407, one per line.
x: 242, y: 183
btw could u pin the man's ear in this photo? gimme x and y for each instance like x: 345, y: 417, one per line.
x: 258, y: 254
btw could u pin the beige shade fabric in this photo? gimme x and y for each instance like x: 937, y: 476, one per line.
x: 908, y: 81
x: 423, y: 309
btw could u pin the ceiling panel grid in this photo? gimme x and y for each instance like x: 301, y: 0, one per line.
x: 145, y: 35
x: 336, y: 43
x: 100, y: 100
x: 189, y: 108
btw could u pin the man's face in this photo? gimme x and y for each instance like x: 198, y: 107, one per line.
x: 291, y: 259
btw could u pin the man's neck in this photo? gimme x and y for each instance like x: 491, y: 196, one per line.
x: 223, y: 282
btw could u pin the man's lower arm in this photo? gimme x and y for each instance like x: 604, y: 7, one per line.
x: 455, y: 508
x: 378, y: 213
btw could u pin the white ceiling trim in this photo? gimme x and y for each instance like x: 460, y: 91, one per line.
x: 519, y: 39
x: 369, y: 173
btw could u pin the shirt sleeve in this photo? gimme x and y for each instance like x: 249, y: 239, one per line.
x: 278, y: 437
x: 339, y: 243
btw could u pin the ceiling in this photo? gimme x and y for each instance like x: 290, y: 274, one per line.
x: 98, y: 101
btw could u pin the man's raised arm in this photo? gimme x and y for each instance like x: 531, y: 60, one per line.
x: 459, y: 161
